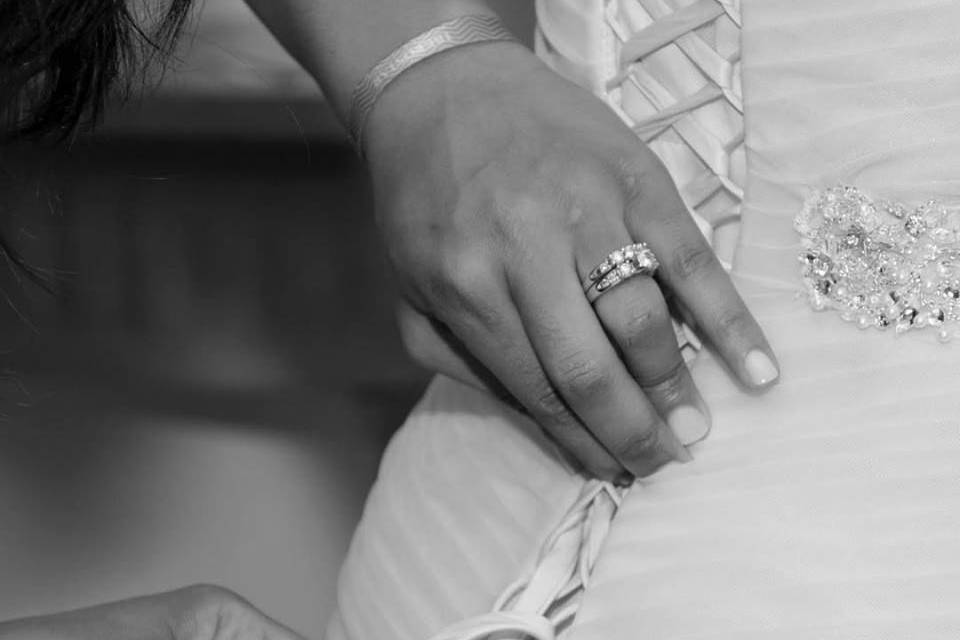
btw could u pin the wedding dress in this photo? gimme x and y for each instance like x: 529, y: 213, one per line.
x: 828, y: 507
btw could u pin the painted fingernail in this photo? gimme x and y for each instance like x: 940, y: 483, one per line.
x: 689, y: 424
x: 760, y: 368
x: 625, y: 479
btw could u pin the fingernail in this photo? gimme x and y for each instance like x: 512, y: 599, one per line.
x: 625, y: 479
x: 760, y: 368
x: 689, y: 424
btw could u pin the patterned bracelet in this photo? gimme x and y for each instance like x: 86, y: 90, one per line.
x: 458, y: 32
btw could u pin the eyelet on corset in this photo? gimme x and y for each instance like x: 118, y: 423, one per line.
x: 882, y: 264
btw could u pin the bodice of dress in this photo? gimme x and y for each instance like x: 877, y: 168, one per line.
x: 816, y: 84
x: 826, y: 508
x: 672, y: 72
x: 863, y: 93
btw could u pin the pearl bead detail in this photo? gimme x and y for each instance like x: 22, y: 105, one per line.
x: 881, y: 264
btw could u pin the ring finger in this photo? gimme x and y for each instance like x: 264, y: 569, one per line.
x: 637, y: 318
x: 505, y: 350
x: 584, y: 367
x: 635, y: 314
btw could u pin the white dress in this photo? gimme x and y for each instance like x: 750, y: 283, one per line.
x: 826, y: 508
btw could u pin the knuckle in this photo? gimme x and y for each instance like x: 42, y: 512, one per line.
x: 632, y: 170
x: 690, y: 260
x: 515, y: 207
x: 469, y: 271
x: 209, y: 595
x: 582, y: 174
x: 636, y: 169
x: 642, y: 320
x: 574, y: 186
x: 734, y: 322
x: 668, y: 386
x: 638, y: 445
x: 567, y: 168
x: 516, y: 222
x: 431, y: 284
x: 584, y: 193
x: 576, y: 215
x: 649, y: 191
x: 199, y: 610
x: 464, y: 287
x: 582, y: 379
x: 634, y: 160
x: 548, y: 404
x: 409, y: 243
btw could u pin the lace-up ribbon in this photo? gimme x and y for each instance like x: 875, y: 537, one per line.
x: 544, y: 601
x: 687, y: 96
x: 683, y: 113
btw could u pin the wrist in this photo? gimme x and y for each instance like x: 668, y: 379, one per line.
x: 338, y: 42
x: 347, y: 59
x: 461, y: 32
x: 450, y: 84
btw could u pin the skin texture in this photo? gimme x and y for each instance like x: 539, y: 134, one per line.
x: 200, y: 612
x: 499, y: 186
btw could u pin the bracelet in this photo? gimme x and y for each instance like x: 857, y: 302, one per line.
x: 458, y: 32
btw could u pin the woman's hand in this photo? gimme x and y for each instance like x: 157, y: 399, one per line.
x: 499, y: 186
x: 194, y: 613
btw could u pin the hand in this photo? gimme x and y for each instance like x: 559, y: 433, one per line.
x: 499, y: 186
x: 193, y: 613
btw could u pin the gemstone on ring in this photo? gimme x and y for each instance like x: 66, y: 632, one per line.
x: 622, y: 264
x: 630, y: 252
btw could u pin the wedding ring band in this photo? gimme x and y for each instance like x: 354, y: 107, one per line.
x: 632, y: 260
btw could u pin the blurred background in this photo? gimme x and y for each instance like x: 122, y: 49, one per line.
x: 207, y: 395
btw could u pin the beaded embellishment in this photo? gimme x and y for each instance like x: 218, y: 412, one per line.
x: 882, y: 264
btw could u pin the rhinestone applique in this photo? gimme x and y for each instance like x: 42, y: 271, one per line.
x: 881, y: 264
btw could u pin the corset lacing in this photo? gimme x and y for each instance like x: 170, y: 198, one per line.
x: 648, y: 97
x: 544, y: 602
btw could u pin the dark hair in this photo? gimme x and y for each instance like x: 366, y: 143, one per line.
x: 61, y: 59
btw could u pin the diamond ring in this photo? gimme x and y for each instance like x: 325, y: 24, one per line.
x: 632, y: 260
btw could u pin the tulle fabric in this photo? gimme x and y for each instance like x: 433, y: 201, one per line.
x: 828, y: 507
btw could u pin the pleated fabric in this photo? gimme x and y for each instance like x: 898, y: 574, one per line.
x: 826, y: 508
x: 465, y: 491
x: 829, y: 507
x: 671, y: 70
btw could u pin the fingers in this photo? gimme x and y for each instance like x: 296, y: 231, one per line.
x: 210, y: 612
x: 585, y: 369
x: 431, y: 347
x: 691, y: 271
x: 636, y: 316
x: 262, y: 626
x: 199, y: 612
x: 499, y: 341
x: 434, y: 347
